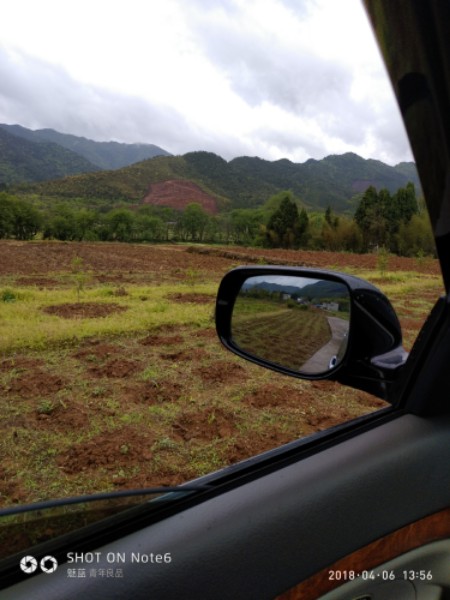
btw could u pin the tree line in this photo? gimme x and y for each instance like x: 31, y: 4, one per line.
x: 396, y: 222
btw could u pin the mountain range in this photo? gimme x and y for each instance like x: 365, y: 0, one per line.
x: 244, y: 182
x: 43, y: 154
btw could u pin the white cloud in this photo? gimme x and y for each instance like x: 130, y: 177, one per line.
x: 274, y: 78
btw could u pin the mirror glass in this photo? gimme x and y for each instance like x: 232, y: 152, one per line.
x: 297, y: 322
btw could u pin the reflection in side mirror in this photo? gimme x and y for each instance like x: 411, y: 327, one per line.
x: 299, y: 323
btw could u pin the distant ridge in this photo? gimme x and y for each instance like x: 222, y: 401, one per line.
x: 103, y: 155
x: 243, y: 182
x: 24, y: 160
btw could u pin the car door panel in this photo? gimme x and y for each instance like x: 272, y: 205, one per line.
x: 264, y: 537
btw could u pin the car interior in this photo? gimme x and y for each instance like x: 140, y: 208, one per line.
x: 358, y: 511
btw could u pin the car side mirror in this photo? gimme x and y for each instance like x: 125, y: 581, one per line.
x: 311, y: 324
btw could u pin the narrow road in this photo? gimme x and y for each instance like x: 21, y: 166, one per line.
x: 320, y: 361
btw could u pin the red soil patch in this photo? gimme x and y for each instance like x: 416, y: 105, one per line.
x: 150, y: 392
x: 204, y: 426
x: 116, y: 368
x: 177, y: 194
x: 42, y: 282
x: 222, y: 371
x: 20, y: 363
x: 107, y: 262
x: 119, y: 448
x: 36, y: 383
x: 73, y: 417
x: 194, y: 298
x: 317, y: 259
x: 9, y: 486
x: 161, y: 340
x: 186, y: 355
x: 205, y: 334
x: 83, y: 310
x: 96, y: 349
x: 123, y: 263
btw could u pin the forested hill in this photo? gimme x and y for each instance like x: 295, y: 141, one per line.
x: 242, y: 182
x: 104, y: 155
x: 24, y: 160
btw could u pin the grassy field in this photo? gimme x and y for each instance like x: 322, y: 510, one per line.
x: 288, y: 336
x: 111, y: 374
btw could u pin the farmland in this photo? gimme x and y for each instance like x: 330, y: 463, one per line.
x: 111, y: 374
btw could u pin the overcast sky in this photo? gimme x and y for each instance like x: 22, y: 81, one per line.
x: 293, y: 79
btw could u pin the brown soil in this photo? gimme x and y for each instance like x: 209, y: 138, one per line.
x: 150, y: 392
x: 19, y: 363
x: 83, y: 310
x: 161, y: 340
x: 178, y: 193
x: 95, y: 349
x: 36, y: 262
x: 204, y: 426
x: 116, y: 368
x: 320, y: 260
x: 110, y: 450
x: 194, y: 298
x: 70, y: 416
x: 193, y: 354
x: 106, y: 262
x: 36, y: 382
x: 221, y: 371
x: 42, y: 282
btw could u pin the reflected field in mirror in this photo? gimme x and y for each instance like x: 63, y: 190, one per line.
x: 298, y: 323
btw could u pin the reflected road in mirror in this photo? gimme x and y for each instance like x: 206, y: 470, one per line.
x: 299, y: 323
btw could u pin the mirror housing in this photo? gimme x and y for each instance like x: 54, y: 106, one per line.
x: 365, y: 351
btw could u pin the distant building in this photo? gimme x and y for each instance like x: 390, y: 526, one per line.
x: 331, y: 306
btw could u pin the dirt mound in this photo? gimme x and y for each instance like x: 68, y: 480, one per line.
x: 151, y: 392
x: 116, y: 368
x: 190, y: 354
x: 83, y: 310
x: 95, y: 349
x: 194, y: 298
x: 20, y: 363
x: 221, y: 372
x: 111, y: 451
x: 177, y: 194
x: 162, y: 340
x: 36, y: 383
x: 205, y: 426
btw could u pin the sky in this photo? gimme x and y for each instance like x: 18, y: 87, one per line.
x: 294, y: 79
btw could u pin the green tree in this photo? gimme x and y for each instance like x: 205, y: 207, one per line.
x: 245, y: 224
x: 119, y: 224
x: 407, y: 202
x: 380, y: 215
x: 331, y: 219
x: 86, y: 223
x: 286, y: 226
x: 416, y: 236
x: 61, y: 224
x: 371, y: 218
x: 193, y: 222
x: 149, y: 228
x: 6, y: 215
x: 27, y: 220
